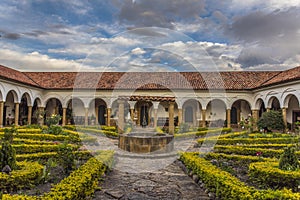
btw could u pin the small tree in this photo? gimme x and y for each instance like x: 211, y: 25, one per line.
x: 7, y: 152
x: 66, y: 158
x: 271, y: 120
x: 288, y: 160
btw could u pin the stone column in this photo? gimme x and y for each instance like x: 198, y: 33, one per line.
x: 64, y: 117
x: 132, y: 114
x: 203, y: 112
x: 155, y: 108
x: 171, y: 118
x: 121, y: 118
x: 1, y: 113
x: 29, y: 115
x: 17, y: 108
x: 284, y: 117
x: 228, y: 112
x: 40, y: 117
x: 96, y: 115
x: 86, y: 117
x: 108, y: 113
x: 255, y: 117
x: 179, y: 116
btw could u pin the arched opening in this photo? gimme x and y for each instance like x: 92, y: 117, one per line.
x: 293, y: 110
x: 97, y: 112
x: 216, y: 113
x: 35, y: 111
x: 9, y: 108
x: 115, y: 112
x: 144, y: 113
x: 192, y: 112
x: 274, y: 104
x: 23, y: 111
x: 240, y: 110
x: 53, y: 106
x: 75, y: 112
x: 261, y: 107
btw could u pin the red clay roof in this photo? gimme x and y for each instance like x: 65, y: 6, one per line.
x: 243, y: 80
x: 11, y: 74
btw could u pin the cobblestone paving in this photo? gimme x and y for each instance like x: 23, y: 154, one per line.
x: 167, y: 183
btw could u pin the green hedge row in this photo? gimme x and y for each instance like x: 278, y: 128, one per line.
x: 34, y: 148
x: 98, y: 132
x: 28, y: 175
x: 240, y: 150
x: 106, y: 128
x: 209, y: 132
x: 232, y: 141
x: 238, y: 158
x: 226, y: 186
x: 47, y: 155
x: 39, y: 136
x: 80, y: 184
x: 268, y: 175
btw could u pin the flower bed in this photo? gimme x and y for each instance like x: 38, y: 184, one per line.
x: 80, y: 184
x: 226, y: 186
x: 268, y: 175
x: 27, y: 176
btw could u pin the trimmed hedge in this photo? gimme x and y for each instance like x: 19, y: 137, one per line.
x: 98, y: 132
x: 47, y: 155
x: 240, y: 150
x: 226, y: 186
x: 34, y: 148
x: 27, y: 176
x: 40, y: 136
x: 238, y: 158
x: 209, y: 132
x: 231, y: 141
x: 80, y: 184
x: 268, y: 175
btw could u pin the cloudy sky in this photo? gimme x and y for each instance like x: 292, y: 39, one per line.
x: 149, y: 35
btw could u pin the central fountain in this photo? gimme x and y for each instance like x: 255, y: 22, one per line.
x: 146, y: 142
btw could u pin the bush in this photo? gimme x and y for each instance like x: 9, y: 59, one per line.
x: 53, y: 120
x: 66, y: 157
x: 7, y: 152
x: 184, y: 127
x: 54, y: 129
x: 288, y: 160
x: 271, y: 120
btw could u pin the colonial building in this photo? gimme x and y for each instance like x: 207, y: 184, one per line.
x: 147, y: 99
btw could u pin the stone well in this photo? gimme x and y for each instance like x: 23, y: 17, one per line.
x: 146, y: 142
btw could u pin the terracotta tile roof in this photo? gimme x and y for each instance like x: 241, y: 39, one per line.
x: 284, y: 76
x: 14, y: 75
x: 154, y: 80
x: 243, y: 80
x: 147, y: 98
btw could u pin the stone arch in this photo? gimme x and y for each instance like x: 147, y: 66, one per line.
x: 9, y: 114
x: 2, y: 92
x: 35, y: 109
x: 15, y: 95
x: 51, y: 96
x: 291, y: 103
x: 53, y: 106
x: 75, y: 113
x: 216, y: 112
x: 260, y: 106
x: 97, y: 111
x: 23, y: 110
x: 273, y: 103
x: 240, y: 109
x: 286, y: 98
x: 191, y: 110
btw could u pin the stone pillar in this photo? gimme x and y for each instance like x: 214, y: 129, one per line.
x: 17, y: 108
x: 228, y: 112
x: 64, y: 117
x: 284, y: 117
x: 155, y: 106
x: 203, y: 112
x: 40, y: 116
x: 108, y: 113
x: 29, y: 115
x: 1, y: 113
x: 86, y: 117
x: 121, y: 118
x: 179, y: 116
x: 96, y: 115
x: 255, y: 117
x: 132, y: 114
x: 171, y: 118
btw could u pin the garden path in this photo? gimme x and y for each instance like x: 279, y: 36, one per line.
x: 168, y: 183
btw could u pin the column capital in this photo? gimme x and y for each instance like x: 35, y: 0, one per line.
x: 155, y: 104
